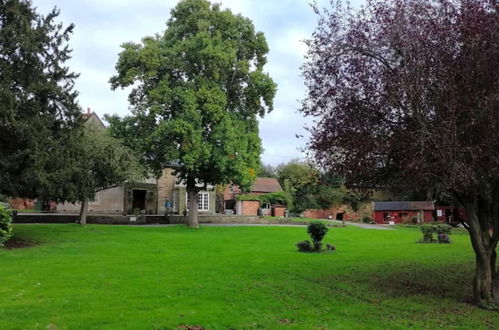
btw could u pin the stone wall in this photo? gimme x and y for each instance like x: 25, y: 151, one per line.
x: 166, y: 187
x: 115, y: 219
x: 365, y: 210
x: 105, y: 201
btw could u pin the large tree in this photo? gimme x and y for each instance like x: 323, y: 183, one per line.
x: 405, y: 94
x: 38, y: 105
x: 197, y: 91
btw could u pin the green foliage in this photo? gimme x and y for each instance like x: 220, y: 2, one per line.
x: 305, y: 246
x: 317, y: 231
x: 442, y: 230
x: 427, y: 231
x: 94, y: 161
x: 197, y: 91
x: 307, y: 187
x: 277, y: 198
x: 248, y: 197
x: 355, y: 198
x: 5, y: 225
x: 38, y: 104
x: 268, y: 171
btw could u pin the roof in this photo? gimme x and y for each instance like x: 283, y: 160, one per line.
x: 404, y: 206
x: 266, y: 185
x: 92, y: 121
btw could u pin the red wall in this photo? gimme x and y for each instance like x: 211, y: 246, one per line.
x: 278, y: 211
x: 250, y: 207
x: 451, y: 213
x: 379, y: 216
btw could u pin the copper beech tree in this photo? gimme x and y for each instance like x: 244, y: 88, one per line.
x: 405, y: 94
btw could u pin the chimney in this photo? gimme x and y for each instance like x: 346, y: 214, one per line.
x: 89, y: 111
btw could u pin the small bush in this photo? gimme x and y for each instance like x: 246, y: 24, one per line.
x: 414, y: 220
x: 442, y: 230
x: 427, y: 231
x: 5, y: 225
x: 443, y: 238
x: 330, y: 247
x: 367, y: 220
x: 317, y: 231
x: 304, y: 246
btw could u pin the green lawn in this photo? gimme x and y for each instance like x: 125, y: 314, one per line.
x: 131, y: 277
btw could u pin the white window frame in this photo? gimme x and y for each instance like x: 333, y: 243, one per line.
x: 203, y: 201
x: 266, y: 206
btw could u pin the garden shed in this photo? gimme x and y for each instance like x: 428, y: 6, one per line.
x: 399, y: 212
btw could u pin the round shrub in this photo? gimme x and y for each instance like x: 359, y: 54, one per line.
x: 5, y: 225
x: 304, y: 246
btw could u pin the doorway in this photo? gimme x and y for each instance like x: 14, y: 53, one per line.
x: 139, y: 199
x: 339, y: 216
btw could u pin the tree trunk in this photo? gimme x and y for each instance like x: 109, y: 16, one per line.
x: 192, y: 218
x: 83, y: 212
x: 485, y: 282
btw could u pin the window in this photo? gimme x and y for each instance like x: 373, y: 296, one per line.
x: 266, y: 206
x: 203, y: 201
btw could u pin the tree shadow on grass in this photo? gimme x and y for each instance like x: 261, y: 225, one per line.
x: 452, y: 281
x: 17, y: 242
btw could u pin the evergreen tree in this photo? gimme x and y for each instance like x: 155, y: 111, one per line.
x: 38, y: 107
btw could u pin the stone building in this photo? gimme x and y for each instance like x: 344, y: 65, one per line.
x: 152, y: 195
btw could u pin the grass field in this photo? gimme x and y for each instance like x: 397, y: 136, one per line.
x: 126, y: 277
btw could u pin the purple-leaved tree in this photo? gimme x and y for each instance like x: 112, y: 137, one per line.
x: 405, y: 94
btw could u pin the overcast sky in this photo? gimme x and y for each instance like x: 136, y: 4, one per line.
x: 103, y: 25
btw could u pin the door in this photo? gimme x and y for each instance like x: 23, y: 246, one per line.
x: 139, y: 199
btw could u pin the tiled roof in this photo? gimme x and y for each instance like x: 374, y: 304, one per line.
x: 404, y: 206
x: 266, y: 185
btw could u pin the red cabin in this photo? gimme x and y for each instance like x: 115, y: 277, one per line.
x: 399, y: 212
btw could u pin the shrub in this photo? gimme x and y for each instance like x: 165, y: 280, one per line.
x: 5, y: 225
x: 304, y: 246
x: 367, y: 220
x: 443, y: 238
x: 317, y: 231
x: 427, y: 231
x: 414, y: 220
x: 442, y: 230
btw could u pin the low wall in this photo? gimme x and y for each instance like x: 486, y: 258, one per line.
x: 365, y: 210
x: 147, y: 219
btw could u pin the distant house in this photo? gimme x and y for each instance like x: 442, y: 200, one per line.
x: 250, y: 207
x: 260, y: 186
x: 398, y: 212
